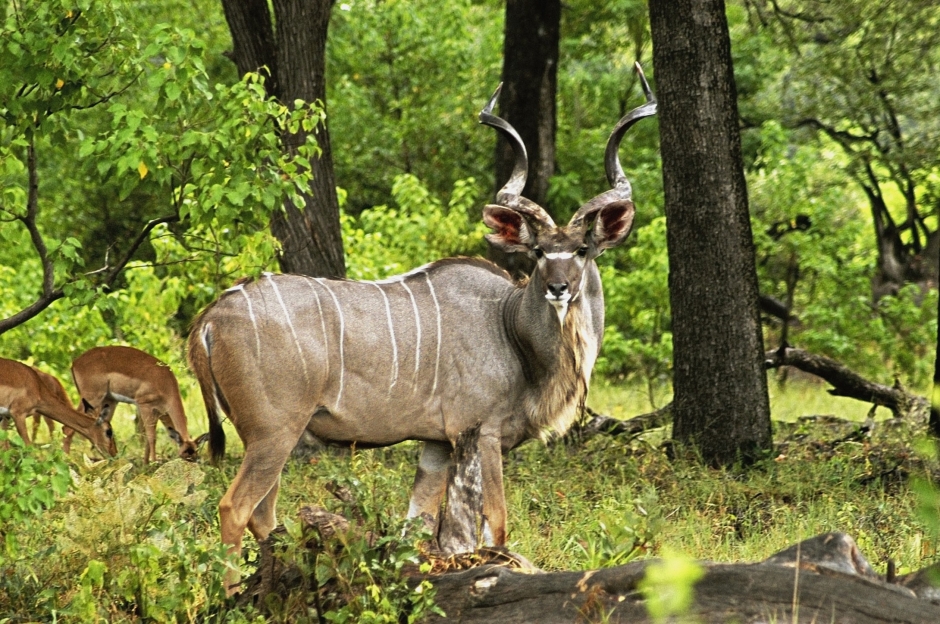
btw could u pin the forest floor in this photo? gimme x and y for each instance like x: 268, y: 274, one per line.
x: 606, y: 502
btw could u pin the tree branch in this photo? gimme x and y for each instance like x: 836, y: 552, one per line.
x: 848, y: 383
x: 113, y: 273
x: 49, y: 293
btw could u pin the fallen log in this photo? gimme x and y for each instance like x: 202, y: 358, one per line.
x: 596, y: 423
x: 824, y: 579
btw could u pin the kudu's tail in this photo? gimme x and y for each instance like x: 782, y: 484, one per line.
x: 200, y: 345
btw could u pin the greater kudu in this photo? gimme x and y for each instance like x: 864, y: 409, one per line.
x: 420, y: 356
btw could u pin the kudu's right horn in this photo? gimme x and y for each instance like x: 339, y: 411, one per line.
x: 621, y: 190
x: 510, y: 196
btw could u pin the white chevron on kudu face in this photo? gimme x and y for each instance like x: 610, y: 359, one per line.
x: 513, y: 359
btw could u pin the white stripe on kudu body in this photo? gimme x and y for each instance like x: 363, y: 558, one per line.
x: 326, y: 340
x: 414, y: 307
x: 391, y: 333
x: 290, y: 323
x: 251, y: 315
x: 342, y: 339
x: 437, y: 309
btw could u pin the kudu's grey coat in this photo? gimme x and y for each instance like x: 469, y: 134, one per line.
x: 421, y: 356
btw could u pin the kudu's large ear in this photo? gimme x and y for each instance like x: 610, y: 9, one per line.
x: 510, y: 230
x: 612, y: 224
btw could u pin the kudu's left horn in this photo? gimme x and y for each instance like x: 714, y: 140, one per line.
x: 510, y: 196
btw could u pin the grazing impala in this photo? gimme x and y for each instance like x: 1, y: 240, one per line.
x: 421, y: 356
x: 106, y: 376
x: 23, y: 394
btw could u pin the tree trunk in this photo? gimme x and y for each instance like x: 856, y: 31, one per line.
x: 720, y: 400
x: 527, y: 101
x: 935, y: 395
x: 293, y: 49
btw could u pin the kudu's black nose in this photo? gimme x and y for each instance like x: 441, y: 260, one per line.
x: 557, y: 290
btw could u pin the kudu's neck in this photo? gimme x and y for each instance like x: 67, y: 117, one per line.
x: 545, y: 345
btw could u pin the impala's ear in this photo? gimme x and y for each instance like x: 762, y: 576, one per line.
x: 510, y: 230
x: 613, y: 223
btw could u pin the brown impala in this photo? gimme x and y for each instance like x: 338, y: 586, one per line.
x: 106, y: 376
x: 23, y: 394
x: 421, y: 356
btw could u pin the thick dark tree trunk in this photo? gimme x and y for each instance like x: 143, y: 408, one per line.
x: 720, y: 400
x: 935, y: 395
x: 527, y: 101
x: 293, y: 49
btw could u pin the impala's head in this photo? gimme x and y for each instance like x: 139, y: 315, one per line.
x: 562, y: 254
x: 100, y: 433
x: 189, y: 449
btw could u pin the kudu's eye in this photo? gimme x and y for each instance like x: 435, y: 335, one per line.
x: 538, y: 252
x: 583, y: 251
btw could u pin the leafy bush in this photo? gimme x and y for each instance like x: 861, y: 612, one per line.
x: 30, y: 482
x: 120, y: 544
x: 384, y: 241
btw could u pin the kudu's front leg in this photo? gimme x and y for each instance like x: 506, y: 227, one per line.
x: 494, y: 501
x: 430, y: 482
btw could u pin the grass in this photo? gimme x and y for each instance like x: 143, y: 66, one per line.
x: 570, y: 508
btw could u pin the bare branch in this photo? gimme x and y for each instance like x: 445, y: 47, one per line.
x: 848, y: 383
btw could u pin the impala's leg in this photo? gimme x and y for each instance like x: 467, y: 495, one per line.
x: 51, y: 425
x: 147, y: 417
x: 37, y: 420
x: 494, y: 501
x: 19, y: 421
x: 430, y: 482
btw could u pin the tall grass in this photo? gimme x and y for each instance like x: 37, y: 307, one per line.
x: 602, y: 503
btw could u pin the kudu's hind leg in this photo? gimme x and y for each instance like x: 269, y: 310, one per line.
x: 250, y: 500
x: 431, y: 482
x: 264, y: 519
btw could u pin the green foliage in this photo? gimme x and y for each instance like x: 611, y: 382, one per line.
x: 408, y: 79
x: 638, y: 337
x: 668, y: 586
x: 359, y: 574
x: 622, y: 533
x: 137, y: 538
x: 828, y: 266
x: 30, y: 482
x: 384, y: 241
x: 130, y: 108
